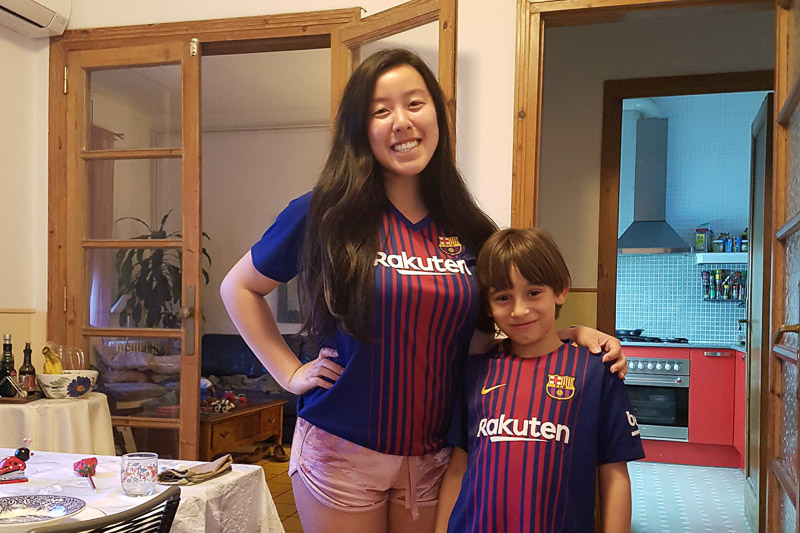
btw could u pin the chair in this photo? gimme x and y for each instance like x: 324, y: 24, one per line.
x: 153, y: 516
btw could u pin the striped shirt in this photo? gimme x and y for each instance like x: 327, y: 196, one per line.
x: 394, y: 396
x: 535, y: 430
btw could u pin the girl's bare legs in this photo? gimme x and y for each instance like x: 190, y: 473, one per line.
x: 318, y: 518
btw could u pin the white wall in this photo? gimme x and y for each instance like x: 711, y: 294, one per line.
x: 23, y: 189
x: 269, y: 168
x: 577, y: 61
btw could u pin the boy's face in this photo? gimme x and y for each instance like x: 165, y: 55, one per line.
x: 527, y: 314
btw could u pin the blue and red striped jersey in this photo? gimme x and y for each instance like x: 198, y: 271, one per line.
x: 535, y: 430
x: 395, y: 396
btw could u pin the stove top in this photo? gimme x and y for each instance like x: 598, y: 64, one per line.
x: 642, y: 338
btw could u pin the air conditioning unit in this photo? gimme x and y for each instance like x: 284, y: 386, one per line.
x: 39, y: 18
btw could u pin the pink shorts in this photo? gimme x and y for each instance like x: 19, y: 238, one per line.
x: 348, y: 477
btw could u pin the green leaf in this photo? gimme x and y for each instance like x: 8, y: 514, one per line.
x: 139, y: 220
x: 164, y: 220
x: 137, y: 314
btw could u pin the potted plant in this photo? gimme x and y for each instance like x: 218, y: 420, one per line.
x: 149, y: 281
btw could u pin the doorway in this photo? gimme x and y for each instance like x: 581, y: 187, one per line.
x: 582, y: 48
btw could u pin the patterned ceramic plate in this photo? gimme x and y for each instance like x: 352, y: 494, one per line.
x: 37, y: 509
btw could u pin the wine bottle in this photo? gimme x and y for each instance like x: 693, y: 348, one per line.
x: 27, y: 373
x: 7, y: 369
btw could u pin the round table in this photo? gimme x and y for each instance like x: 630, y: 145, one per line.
x: 80, y: 425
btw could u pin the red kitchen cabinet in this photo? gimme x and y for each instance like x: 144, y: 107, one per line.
x: 711, y: 396
x: 739, y: 404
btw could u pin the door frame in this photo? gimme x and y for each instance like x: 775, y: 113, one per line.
x: 614, y: 92
x: 533, y: 19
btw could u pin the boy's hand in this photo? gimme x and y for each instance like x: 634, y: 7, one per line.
x: 597, y: 342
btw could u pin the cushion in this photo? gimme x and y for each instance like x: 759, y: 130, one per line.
x: 123, y: 360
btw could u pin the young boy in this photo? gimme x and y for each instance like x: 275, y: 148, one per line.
x: 540, y: 420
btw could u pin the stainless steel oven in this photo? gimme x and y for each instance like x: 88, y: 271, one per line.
x: 659, y: 393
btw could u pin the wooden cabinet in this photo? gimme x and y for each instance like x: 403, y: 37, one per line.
x: 224, y: 432
x: 711, y: 396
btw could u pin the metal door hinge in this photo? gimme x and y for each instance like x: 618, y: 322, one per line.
x: 66, y: 71
x: 65, y: 298
x: 193, y: 46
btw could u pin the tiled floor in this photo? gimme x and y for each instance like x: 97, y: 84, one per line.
x: 666, y: 497
x: 280, y: 486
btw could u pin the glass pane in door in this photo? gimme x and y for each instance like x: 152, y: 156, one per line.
x: 141, y: 106
x: 134, y: 287
x: 134, y: 198
x: 140, y: 376
x: 424, y: 40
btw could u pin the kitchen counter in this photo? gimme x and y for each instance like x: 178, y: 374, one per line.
x: 700, y: 344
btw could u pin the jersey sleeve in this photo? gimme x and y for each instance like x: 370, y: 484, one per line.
x: 277, y: 254
x: 618, y: 432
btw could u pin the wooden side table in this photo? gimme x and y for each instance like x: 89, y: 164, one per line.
x: 224, y: 432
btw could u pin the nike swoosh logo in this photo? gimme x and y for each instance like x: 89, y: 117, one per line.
x: 484, y: 390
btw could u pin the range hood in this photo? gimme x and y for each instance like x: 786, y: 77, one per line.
x: 649, y: 233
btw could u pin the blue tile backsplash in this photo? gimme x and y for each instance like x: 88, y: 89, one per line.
x: 662, y: 294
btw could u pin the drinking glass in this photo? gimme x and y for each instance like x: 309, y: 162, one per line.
x: 139, y: 473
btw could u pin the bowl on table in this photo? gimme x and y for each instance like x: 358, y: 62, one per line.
x: 69, y: 384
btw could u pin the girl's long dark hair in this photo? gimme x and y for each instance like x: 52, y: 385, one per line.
x: 341, y: 240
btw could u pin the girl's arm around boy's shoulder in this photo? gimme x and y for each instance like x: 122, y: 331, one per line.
x: 450, y: 488
x: 615, y: 497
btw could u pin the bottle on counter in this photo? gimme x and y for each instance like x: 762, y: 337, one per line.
x: 27, y: 373
x: 7, y: 369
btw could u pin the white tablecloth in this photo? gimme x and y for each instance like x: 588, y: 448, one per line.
x: 81, y: 425
x: 235, y: 502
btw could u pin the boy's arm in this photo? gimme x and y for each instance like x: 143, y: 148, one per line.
x: 451, y: 486
x: 615, y: 497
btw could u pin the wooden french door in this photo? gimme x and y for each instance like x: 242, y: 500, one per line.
x: 758, y: 327
x: 133, y: 250
x: 783, y: 496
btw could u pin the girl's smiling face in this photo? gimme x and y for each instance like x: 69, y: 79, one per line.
x: 402, y: 126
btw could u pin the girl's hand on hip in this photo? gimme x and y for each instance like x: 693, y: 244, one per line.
x: 321, y: 372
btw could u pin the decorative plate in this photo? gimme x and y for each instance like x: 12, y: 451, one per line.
x: 38, y: 508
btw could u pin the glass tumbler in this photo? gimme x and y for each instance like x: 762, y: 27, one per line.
x: 139, y: 473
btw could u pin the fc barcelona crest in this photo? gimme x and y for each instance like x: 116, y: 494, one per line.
x: 450, y: 245
x: 560, y: 387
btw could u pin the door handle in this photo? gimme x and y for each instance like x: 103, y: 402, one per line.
x: 187, y: 314
x: 786, y: 328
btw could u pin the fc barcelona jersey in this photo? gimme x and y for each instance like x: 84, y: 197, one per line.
x: 535, y: 430
x: 395, y: 396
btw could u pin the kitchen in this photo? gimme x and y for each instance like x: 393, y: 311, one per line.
x: 682, y: 279
x: 686, y: 161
